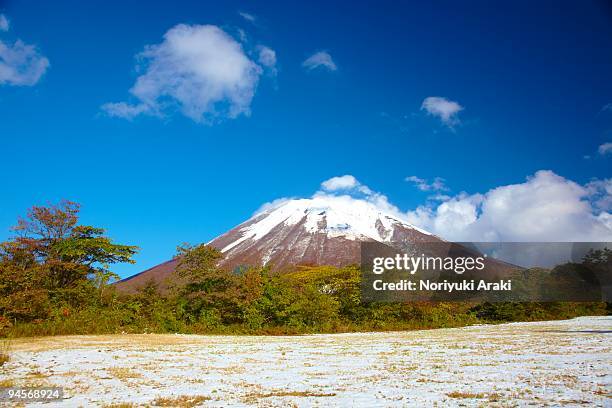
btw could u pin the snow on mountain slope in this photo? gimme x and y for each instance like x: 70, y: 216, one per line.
x: 356, y: 220
x: 324, y: 229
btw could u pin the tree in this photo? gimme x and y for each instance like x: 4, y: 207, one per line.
x: 51, y: 235
x: 50, y: 256
x: 598, y: 257
x: 197, y: 266
x: 212, y: 293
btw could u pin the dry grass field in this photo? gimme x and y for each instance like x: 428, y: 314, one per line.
x: 546, y: 363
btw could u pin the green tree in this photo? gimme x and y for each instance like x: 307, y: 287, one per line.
x: 212, y: 294
x: 53, y: 260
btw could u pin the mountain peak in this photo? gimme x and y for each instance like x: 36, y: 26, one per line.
x: 335, y: 216
x: 323, y: 230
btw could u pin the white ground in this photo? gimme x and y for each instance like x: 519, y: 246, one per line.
x: 556, y: 363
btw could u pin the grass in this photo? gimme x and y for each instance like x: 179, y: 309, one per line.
x: 293, y: 394
x: 5, y: 348
x: 183, y: 401
x: 253, y: 398
x: 299, y: 394
x: 493, y: 397
x: 37, y: 375
x: 468, y: 395
x: 123, y: 373
x: 7, y: 383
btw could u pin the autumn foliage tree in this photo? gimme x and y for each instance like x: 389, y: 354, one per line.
x: 53, y: 261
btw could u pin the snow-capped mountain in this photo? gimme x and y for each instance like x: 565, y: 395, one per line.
x: 323, y: 230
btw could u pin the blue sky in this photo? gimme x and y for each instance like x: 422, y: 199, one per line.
x: 529, y: 82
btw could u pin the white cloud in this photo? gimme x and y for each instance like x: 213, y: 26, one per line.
x: 439, y: 197
x: 242, y: 35
x: 600, y: 193
x: 272, y: 205
x: 267, y: 58
x: 607, y: 107
x: 21, y: 64
x: 4, y: 23
x: 423, y: 185
x: 547, y: 207
x: 454, y: 214
x: 346, y: 188
x: 345, y: 183
x: 544, y: 208
x: 198, y: 69
x: 605, y: 148
x: 124, y: 110
x: 320, y: 59
x: 340, y: 183
x: 442, y: 108
x: 248, y: 16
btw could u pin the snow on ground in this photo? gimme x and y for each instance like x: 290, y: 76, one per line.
x: 557, y: 363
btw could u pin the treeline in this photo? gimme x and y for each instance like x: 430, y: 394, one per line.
x: 55, y: 279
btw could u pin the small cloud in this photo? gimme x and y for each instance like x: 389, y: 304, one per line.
x: 267, y: 58
x: 248, y: 16
x: 124, y: 110
x: 21, y: 64
x: 198, y: 69
x: 600, y: 193
x: 272, y: 205
x: 320, y: 59
x: 242, y: 35
x: 345, y: 182
x: 586, y: 157
x: 436, y: 185
x: 439, y: 197
x: 442, y: 108
x: 4, y: 23
x: 605, y: 148
x: 607, y: 107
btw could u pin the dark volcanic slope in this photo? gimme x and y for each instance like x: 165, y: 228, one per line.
x: 157, y: 274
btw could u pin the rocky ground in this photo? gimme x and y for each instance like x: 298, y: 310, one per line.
x: 546, y: 363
